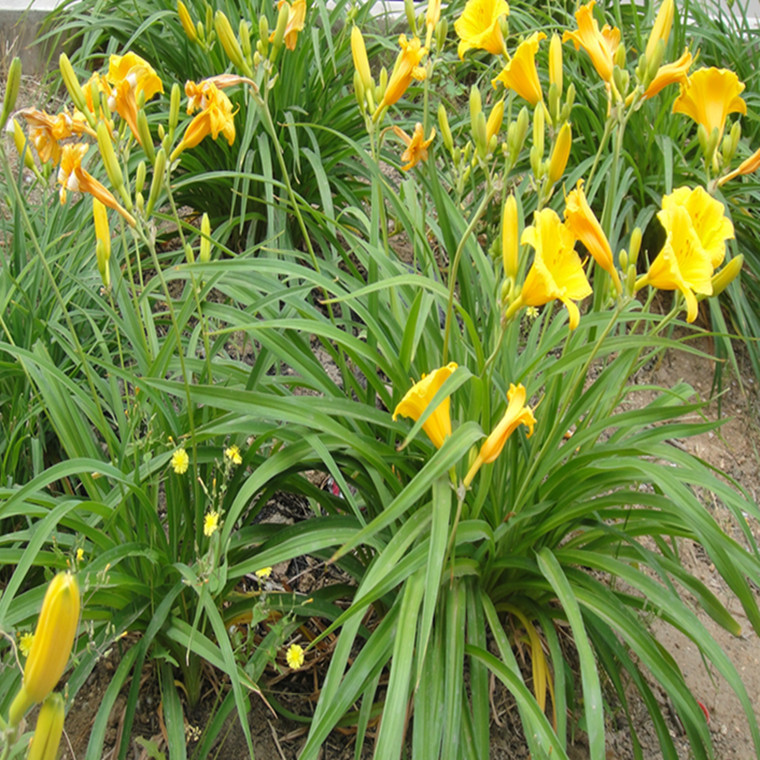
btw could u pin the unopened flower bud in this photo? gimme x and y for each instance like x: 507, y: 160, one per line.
x: 186, y: 21
x: 140, y: 177
x: 12, y: 84
x: 49, y: 729
x: 73, y: 87
x: 159, y: 168
x: 441, y: 30
x: 476, y: 104
x: 108, y: 154
x: 22, y: 146
x: 727, y: 275
x: 189, y: 253
x: 510, y: 237
x: 51, y: 646
x: 229, y: 41
x: 279, y: 32
x: 623, y: 259
x: 359, y: 54
x: 410, y: 16
x: 495, y: 119
x: 634, y: 247
x: 263, y: 35
x: 479, y: 134
x: 555, y: 63
x: 443, y: 123
x: 619, y: 56
x: 661, y: 28
x: 244, y: 30
x: 205, y: 252
x: 144, y: 136
x: 538, y: 129
x: 561, y: 153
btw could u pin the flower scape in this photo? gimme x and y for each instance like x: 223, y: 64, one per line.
x: 317, y: 332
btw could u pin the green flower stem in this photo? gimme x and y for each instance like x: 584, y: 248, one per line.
x: 455, y: 266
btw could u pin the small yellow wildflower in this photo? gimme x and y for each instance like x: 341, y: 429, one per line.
x: 180, y: 461
x: 232, y: 454
x: 531, y: 312
x: 80, y: 554
x: 210, y: 523
x: 294, y: 656
x: 265, y: 572
x: 25, y: 643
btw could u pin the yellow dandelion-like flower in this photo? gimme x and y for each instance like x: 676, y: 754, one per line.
x: 25, y: 643
x: 532, y: 312
x: 210, y: 523
x: 265, y: 572
x: 180, y: 461
x: 80, y: 554
x: 294, y: 656
x: 232, y: 454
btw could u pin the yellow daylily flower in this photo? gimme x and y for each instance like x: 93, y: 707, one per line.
x: 71, y: 176
x: 585, y: 226
x: 51, y: 645
x: 406, y: 68
x: 129, y: 77
x: 696, y: 230
x: 416, y: 145
x: 520, y: 73
x: 479, y: 26
x: 670, y: 73
x: 418, y: 398
x: 709, y: 95
x: 600, y: 45
x: 707, y: 217
x: 215, y: 118
x: 46, y: 131
x: 517, y: 414
x: 556, y: 272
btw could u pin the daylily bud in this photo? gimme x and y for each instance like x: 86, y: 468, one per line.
x: 619, y: 56
x: 201, y: 32
x: 23, y: 148
x: 561, y: 153
x: 495, y: 118
x: 73, y: 87
x: 359, y: 54
x: 476, y: 104
x: 205, y: 252
x: 108, y: 154
x: 569, y: 101
x: 510, y: 237
x: 727, y: 275
x: 634, y: 247
x: 51, y: 646
x: 552, y: 100
x: 623, y: 259
x: 279, y: 32
x: 479, y: 134
x: 536, y: 162
x: 12, y: 85
x: 441, y: 30
x: 49, y: 730
x: 653, y: 61
x: 244, y: 30
x: 410, y: 17
x: 661, y: 29
x: 140, y: 202
x: 621, y: 78
x: 730, y: 143
x: 186, y: 21
x: 189, y: 253
x: 630, y: 280
x: 263, y: 35
x: 174, y: 104
x: 443, y: 123
x: 555, y: 63
x: 229, y: 41
x: 143, y: 132
x: 538, y: 129
x: 157, y: 182
x: 359, y: 92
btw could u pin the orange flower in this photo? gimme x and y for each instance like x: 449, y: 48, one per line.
x: 520, y: 73
x: 406, y: 68
x: 418, y: 398
x: 600, y: 46
x: 585, y: 226
x: 479, y: 26
x: 708, y: 96
x: 71, y: 176
x: 46, y: 131
x: 215, y: 118
x: 416, y: 146
x: 557, y: 272
x: 129, y: 77
x: 669, y: 74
